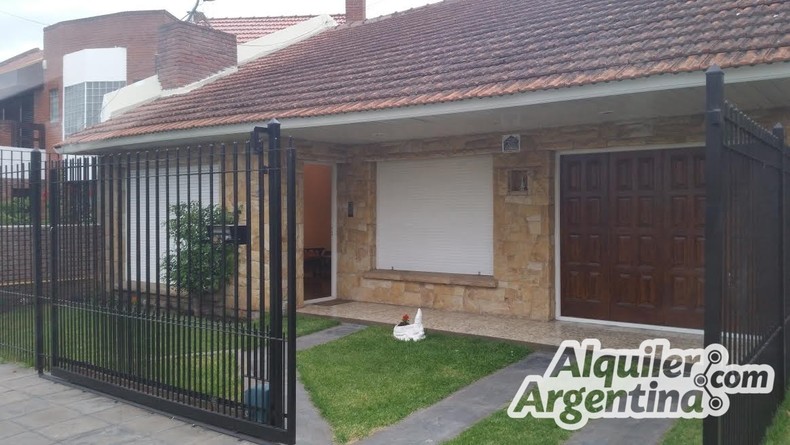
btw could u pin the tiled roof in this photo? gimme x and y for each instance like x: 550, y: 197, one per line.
x: 250, y: 28
x: 465, y: 49
x: 22, y: 60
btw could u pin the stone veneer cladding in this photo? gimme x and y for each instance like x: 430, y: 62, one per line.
x: 524, y: 271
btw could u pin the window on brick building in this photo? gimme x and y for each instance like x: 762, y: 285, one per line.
x: 54, y: 105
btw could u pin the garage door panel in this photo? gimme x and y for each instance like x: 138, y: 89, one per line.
x: 641, y: 226
x: 594, y: 212
x: 679, y: 211
x: 595, y: 250
x: 646, y: 174
x: 594, y: 175
x: 623, y: 175
x: 647, y: 212
x: 573, y: 213
x: 648, y: 250
x: 624, y: 214
x: 624, y: 250
x: 583, y: 222
x: 647, y: 291
x: 679, y: 256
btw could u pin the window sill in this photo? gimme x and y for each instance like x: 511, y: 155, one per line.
x: 452, y: 279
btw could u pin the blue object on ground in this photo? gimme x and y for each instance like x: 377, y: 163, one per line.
x: 256, y: 399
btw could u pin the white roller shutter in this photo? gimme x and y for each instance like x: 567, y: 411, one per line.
x: 187, y: 184
x: 436, y: 215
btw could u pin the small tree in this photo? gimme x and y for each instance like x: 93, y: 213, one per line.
x: 195, y: 264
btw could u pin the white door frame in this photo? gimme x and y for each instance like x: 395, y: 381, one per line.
x: 557, y: 246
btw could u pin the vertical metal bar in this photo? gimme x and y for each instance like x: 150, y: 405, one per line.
x: 779, y: 132
x: 35, y: 236
x: 714, y: 220
x: 248, y: 348
x: 291, y: 266
x: 263, y: 341
x: 54, y: 220
x: 238, y: 393
x: 275, y: 278
x: 117, y: 329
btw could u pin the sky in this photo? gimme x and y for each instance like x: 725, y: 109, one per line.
x: 22, y: 21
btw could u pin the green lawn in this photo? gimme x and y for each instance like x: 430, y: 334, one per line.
x: 684, y: 432
x: 369, y: 380
x: 779, y: 431
x: 689, y: 431
x: 500, y: 429
x: 186, y: 352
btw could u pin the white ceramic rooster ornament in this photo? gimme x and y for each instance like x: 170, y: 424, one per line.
x: 410, y: 332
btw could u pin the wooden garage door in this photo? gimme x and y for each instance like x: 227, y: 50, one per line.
x: 632, y: 236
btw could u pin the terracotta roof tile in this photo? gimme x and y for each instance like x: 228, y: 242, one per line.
x: 463, y: 49
x: 250, y: 28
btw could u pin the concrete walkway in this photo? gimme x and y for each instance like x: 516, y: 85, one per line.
x: 448, y: 418
x: 311, y: 428
x: 622, y: 432
x: 37, y: 411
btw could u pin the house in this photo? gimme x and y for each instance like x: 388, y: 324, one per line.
x: 532, y: 158
x: 46, y: 95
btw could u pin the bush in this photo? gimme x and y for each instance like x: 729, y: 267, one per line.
x: 14, y: 212
x: 195, y: 264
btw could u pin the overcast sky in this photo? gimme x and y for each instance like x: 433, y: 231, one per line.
x: 22, y: 21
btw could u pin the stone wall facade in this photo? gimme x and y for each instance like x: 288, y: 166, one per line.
x: 523, y: 283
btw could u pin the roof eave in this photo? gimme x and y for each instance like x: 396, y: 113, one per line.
x: 632, y: 86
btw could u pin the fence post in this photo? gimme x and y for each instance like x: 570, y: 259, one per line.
x: 54, y: 221
x: 779, y: 132
x: 35, y: 236
x: 275, y: 274
x: 714, y: 221
x: 290, y: 232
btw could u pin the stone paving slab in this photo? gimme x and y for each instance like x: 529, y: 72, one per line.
x: 327, y: 335
x: 621, y: 432
x: 36, y: 411
x: 451, y: 416
x: 311, y: 428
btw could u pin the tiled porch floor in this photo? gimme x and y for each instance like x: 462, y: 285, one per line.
x: 550, y: 333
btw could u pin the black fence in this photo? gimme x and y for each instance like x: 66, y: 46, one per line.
x: 746, y: 270
x: 158, y: 278
x: 21, y: 273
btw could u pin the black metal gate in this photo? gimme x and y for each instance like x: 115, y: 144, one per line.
x: 162, y: 282
x: 746, y: 268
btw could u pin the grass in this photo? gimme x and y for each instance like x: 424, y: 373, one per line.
x: 779, y: 431
x: 369, y: 380
x: 689, y: 431
x: 684, y: 432
x: 161, y: 350
x: 306, y: 324
x: 500, y: 429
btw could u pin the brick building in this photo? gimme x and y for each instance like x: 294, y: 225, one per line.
x: 48, y: 94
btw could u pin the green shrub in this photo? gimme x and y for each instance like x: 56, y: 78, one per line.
x: 196, y: 265
x: 16, y: 211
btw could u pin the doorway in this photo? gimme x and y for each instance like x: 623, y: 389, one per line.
x: 317, y: 231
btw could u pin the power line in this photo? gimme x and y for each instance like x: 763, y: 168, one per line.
x: 24, y: 18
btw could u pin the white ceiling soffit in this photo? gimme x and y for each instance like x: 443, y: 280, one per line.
x: 461, y: 116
